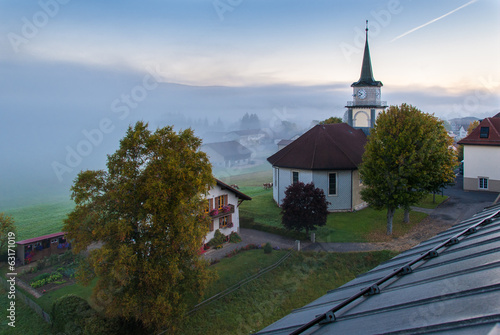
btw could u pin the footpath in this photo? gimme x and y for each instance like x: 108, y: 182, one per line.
x: 459, y: 206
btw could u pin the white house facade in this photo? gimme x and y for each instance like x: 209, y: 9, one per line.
x: 341, y: 187
x: 482, y: 156
x: 223, y: 209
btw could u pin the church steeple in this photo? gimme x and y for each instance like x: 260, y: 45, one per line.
x: 366, y: 78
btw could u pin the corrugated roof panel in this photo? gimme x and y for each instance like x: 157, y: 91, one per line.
x: 456, y: 292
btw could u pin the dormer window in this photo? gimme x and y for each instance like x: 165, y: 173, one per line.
x: 485, y: 132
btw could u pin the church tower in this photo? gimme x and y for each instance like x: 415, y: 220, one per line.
x: 363, y: 110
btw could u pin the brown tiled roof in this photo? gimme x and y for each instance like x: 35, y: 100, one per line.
x: 324, y: 147
x: 493, y: 123
x: 239, y: 195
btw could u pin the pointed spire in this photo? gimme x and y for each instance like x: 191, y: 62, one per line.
x: 366, y: 78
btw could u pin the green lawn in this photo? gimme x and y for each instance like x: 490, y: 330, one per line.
x: 301, y: 279
x: 37, y: 220
x: 245, y: 264
x: 27, y: 321
x: 367, y: 225
x: 46, y: 300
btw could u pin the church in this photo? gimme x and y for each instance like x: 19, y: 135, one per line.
x: 329, y: 155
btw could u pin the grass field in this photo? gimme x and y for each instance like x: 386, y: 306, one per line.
x: 37, y: 220
x: 299, y: 280
x: 367, y: 225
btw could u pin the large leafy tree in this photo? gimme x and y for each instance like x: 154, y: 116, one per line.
x: 147, y: 211
x: 406, y: 157
x: 304, y: 207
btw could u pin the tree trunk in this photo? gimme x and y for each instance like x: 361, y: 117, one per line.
x: 406, y: 218
x: 390, y: 215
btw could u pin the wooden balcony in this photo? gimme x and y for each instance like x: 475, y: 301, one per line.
x: 217, y: 213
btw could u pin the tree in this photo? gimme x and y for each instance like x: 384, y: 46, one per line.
x: 473, y: 125
x: 6, y: 227
x: 406, y: 157
x: 147, y: 210
x: 304, y: 207
x: 331, y: 120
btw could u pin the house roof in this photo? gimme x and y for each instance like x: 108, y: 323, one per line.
x: 366, y: 78
x: 324, y: 147
x: 41, y: 238
x: 239, y: 195
x: 229, y: 150
x: 493, y: 137
x: 448, y: 284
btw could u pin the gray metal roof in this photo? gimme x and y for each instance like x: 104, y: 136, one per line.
x: 452, y: 287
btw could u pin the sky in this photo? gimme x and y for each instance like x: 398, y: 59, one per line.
x: 74, y: 74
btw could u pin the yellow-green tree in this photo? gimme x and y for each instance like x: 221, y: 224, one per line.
x: 406, y: 157
x: 146, y: 210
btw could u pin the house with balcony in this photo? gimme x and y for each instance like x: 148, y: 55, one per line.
x: 222, y: 208
x: 481, y: 169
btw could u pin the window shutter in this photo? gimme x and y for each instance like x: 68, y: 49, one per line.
x: 211, y: 205
x: 225, y: 199
x: 211, y: 225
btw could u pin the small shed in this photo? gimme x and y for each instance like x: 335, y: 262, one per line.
x: 36, y: 248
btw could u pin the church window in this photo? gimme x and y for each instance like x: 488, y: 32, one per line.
x: 295, y: 177
x: 332, y: 184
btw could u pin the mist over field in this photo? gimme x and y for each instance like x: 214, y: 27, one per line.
x: 71, y: 106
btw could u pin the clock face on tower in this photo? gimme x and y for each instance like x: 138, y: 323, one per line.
x: 361, y: 94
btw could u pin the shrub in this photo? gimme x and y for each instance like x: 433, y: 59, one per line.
x: 268, y: 248
x: 40, y: 277
x: 69, y: 313
x: 234, y: 237
x: 218, y: 239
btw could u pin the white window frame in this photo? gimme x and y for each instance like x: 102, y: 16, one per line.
x: 482, y: 181
x: 336, y: 184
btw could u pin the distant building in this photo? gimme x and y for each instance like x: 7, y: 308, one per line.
x: 247, y: 137
x: 36, y: 248
x: 227, y: 154
x: 481, y: 169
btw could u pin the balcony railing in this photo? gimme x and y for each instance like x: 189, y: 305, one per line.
x: 217, y: 213
x: 367, y: 103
